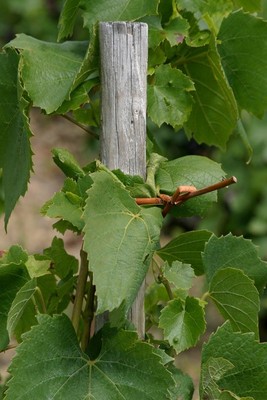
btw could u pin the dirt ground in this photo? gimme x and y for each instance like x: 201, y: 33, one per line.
x: 34, y: 232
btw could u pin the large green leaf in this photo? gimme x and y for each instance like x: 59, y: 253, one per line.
x: 234, y: 252
x: 214, y: 114
x: 248, y: 377
x: 121, y: 10
x: 187, y: 248
x: 50, y: 364
x: 49, y: 71
x: 12, y: 278
x: 168, y: 96
x: 243, y: 50
x: 120, y: 238
x: 183, y: 323
x: 236, y: 298
x: 15, y: 151
x: 189, y: 170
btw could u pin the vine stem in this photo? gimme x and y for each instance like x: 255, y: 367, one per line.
x: 182, y: 194
x: 87, y: 130
x: 88, y: 316
x: 80, y: 291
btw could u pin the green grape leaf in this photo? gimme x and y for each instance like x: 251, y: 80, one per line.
x: 184, y: 387
x: 212, y: 11
x: 182, y: 323
x: 248, y: 377
x: 120, y: 238
x: 125, y: 368
x: 12, y: 278
x: 243, y: 62
x: 15, y: 255
x: 67, y: 206
x: 189, y: 170
x: 236, y: 298
x: 23, y: 297
x: 179, y: 274
x: 187, y: 248
x: 67, y: 163
x: 121, y: 10
x: 174, y: 31
x: 214, y: 114
x: 63, y: 263
x: 62, y: 63
x: 67, y: 18
x: 169, y: 98
x: 249, y: 5
x: 15, y: 150
x: 234, y: 252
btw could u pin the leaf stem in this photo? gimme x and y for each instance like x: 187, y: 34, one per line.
x: 87, y: 130
x: 88, y: 313
x: 80, y: 290
x: 41, y: 299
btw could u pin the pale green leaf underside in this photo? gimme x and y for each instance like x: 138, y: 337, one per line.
x: 50, y: 364
x: 179, y: 274
x: 187, y: 248
x: 234, y: 252
x: 190, y: 170
x: 248, y: 377
x: 243, y: 50
x: 182, y: 322
x: 120, y: 238
x: 236, y: 298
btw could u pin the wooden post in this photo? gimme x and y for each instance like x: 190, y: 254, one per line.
x: 123, y: 49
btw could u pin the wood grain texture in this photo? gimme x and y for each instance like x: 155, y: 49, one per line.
x: 124, y: 49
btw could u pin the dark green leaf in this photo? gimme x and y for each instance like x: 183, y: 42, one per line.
x: 12, y: 278
x: 249, y: 5
x: 63, y: 263
x: 67, y: 163
x: 183, y: 323
x: 184, y: 387
x: 67, y: 18
x: 169, y: 98
x: 244, y: 63
x: 187, y: 248
x: 50, y: 364
x: 248, y: 377
x: 190, y: 170
x: 15, y: 151
x: 23, y: 297
x: 234, y: 252
x: 120, y: 238
x: 62, y: 63
x: 214, y: 114
x: 121, y: 10
x: 236, y: 298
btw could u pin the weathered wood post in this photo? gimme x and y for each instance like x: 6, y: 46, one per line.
x: 123, y: 49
